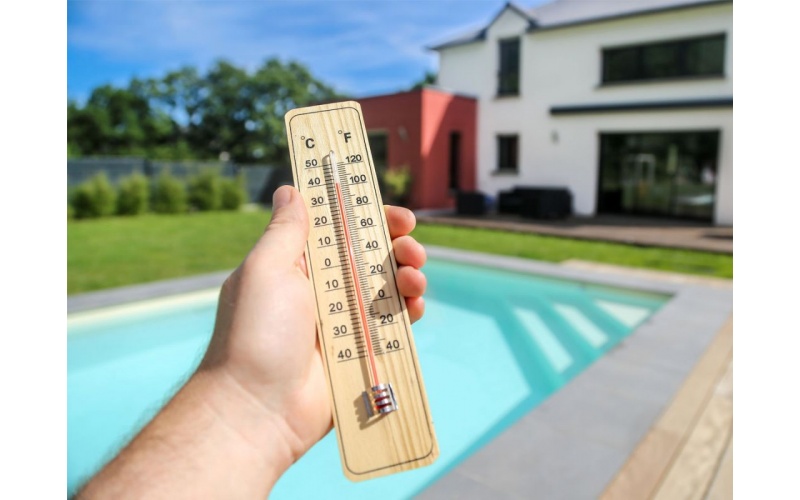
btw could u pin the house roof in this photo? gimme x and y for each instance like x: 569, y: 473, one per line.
x: 563, y: 13
x: 569, y: 12
x: 480, y: 34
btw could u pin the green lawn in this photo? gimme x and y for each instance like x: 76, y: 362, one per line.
x: 121, y: 251
x: 105, y: 253
x: 554, y: 249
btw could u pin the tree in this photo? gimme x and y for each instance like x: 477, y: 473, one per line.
x: 242, y: 113
x: 428, y: 79
x: 227, y: 110
x: 116, y: 121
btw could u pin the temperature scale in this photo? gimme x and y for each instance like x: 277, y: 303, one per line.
x: 380, y: 409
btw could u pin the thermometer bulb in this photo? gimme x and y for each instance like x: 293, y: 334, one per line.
x: 381, y: 400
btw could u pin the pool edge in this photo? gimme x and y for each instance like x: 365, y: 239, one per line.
x: 126, y: 295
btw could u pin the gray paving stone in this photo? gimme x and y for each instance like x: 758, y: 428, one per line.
x: 633, y: 379
x: 669, y: 358
x: 457, y: 486
x: 585, y: 410
x: 146, y: 291
x: 675, y: 346
x: 535, y: 460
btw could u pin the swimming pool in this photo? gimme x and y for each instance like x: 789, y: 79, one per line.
x: 498, y: 340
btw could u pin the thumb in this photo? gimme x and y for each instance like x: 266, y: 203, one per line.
x: 284, y: 240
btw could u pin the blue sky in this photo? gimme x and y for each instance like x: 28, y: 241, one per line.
x: 359, y: 47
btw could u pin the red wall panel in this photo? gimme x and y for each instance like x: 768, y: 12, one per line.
x: 418, y: 125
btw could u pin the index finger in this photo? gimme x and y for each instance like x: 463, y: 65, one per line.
x: 400, y: 220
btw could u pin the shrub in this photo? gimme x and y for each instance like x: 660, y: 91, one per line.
x: 70, y: 211
x: 205, y: 190
x: 232, y: 194
x: 398, y: 184
x: 94, y: 198
x: 169, y: 195
x: 133, y: 195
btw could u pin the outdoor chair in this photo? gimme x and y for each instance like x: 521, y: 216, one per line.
x: 471, y: 203
x: 536, y: 202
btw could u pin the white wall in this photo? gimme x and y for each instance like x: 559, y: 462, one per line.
x: 562, y: 67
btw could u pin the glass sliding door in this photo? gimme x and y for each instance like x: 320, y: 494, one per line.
x: 669, y: 174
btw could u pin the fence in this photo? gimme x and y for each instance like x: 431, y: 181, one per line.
x: 259, y: 180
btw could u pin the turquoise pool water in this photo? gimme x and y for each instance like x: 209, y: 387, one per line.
x: 500, y: 341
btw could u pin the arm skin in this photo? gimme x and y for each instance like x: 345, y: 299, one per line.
x: 258, y: 400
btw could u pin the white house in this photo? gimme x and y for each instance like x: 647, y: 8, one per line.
x: 627, y: 103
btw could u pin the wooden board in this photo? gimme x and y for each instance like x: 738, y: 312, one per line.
x: 655, y: 457
x: 722, y: 487
x: 370, y: 446
x: 696, y: 465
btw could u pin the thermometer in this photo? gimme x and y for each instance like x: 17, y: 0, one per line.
x: 380, y: 408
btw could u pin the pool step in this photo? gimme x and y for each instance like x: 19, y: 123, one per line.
x: 539, y: 373
x: 570, y: 331
x: 596, y: 325
x: 555, y: 336
x: 539, y: 370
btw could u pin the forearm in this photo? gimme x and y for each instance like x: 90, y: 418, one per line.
x: 210, y: 441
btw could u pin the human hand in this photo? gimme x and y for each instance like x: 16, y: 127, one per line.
x: 258, y: 400
x: 264, y: 349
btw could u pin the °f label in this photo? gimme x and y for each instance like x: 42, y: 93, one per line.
x: 380, y: 408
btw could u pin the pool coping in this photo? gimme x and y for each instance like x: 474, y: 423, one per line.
x: 574, y: 443
x: 101, y: 299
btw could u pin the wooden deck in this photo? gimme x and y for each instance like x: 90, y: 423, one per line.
x: 688, y: 454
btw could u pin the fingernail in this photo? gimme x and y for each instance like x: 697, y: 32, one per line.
x: 281, y: 197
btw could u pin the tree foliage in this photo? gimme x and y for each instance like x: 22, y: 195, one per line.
x: 428, y: 79
x: 186, y: 114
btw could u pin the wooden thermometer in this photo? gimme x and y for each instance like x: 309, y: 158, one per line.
x: 380, y: 409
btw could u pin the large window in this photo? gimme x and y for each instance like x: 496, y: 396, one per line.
x: 507, y: 153
x: 508, y: 76
x: 660, y: 173
x: 692, y: 57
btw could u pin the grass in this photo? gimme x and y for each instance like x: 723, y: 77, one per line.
x: 555, y: 249
x: 106, y: 253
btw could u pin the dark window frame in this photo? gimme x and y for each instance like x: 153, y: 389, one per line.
x: 639, y: 72
x: 508, y: 76
x: 502, y: 155
x: 601, y: 152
